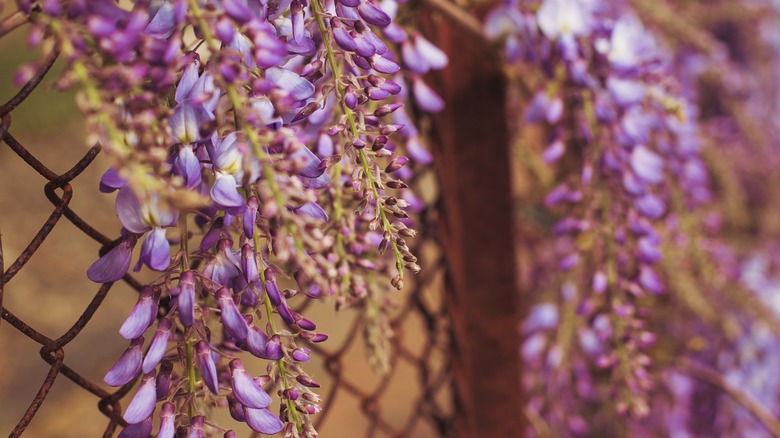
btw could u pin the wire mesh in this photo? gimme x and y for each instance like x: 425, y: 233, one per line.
x: 419, y: 321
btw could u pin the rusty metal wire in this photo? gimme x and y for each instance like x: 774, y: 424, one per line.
x: 432, y: 405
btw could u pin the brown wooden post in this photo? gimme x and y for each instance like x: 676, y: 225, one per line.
x: 472, y: 160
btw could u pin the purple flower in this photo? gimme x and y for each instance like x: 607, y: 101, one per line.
x: 143, y: 314
x: 111, y: 181
x: 246, y: 391
x: 142, y: 404
x: 127, y: 366
x: 434, y: 56
x: 650, y: 281
x: 167, y: 421
x: 257, y: 344
x: 312, y: 210
x: 188, y: 167
x: 115, y: 263
x: 140, y: 218
x: 208, y: 369
x: 426, y: 97
x: 647, y: 164
x: 298, y: 87
x: 373, y: 15
x: 186, y: 298
x: 263, y: 421
x: 196, y: 427
x: 158, y: 346
x: 164, y: 379
x: 250, y: 216
x: 650, y: 206
x: 226, y: 196
x: 138, y: 430
x: 164, y: 20
x: 234, y: 323
x: 554, y: 152
x: 196, y: 97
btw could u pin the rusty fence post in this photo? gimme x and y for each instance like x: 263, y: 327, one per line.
x: 472, y: 161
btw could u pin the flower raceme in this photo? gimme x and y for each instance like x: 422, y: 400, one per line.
x: 270, y: 133
x: 606, y: 98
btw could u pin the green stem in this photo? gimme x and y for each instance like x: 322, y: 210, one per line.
x: 190, y: 378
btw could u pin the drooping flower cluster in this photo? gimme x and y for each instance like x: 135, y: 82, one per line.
x: 256, y: 138
x: 625, y: 150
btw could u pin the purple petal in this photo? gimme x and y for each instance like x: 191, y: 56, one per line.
x: 650, y: 206
x: 626, y: 92
x: 313, y: 210
x: 114, y: 264
x: 231, y: 318
x: 111, y: 181
x: 316, y: 183
x: 285, y: 313
x: 311, y: 163
x: 187, y: 81
x: 298, y: 87
x: 250, y: 217
x: 600, y: 283
x: 249, y: 264
x: 647, y: 164
x: 142, y: 405
x: 417, y: 151
x: 196, y: 428
x: 236, y: 409
x: 379, y: 45
x: 245, y: 389
x: 648, y: 250
x: 296, y: 15
x: 426, y: 97
x: 167, y: 421
x: 554, y: 152
x: 130, y: 211
x: 128, y: 366
x: 554, y: 110
x: 273, y: 349
x: 413, y: 59
x: 143, y: 314
x: 158, y: 346
x: 208, y: 370
x: 263, y: 421
x: 650, y: 280
x: 138, y: 430
x: 256, y: 341
x: 188, y: 167
x: 237, y: 10
x: 364, y: 47
x: 155, y: 251
x: 271, y: 289
x: 384, y: 65
x: 186, y: 120
x: 373, y: 15
x: 186, y: 298
x: 163, y: 23
x: 395, y: 33
x: 433, y: 55
x: 164, y: 379
x: 325, y: 145
x: 225, y: 194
